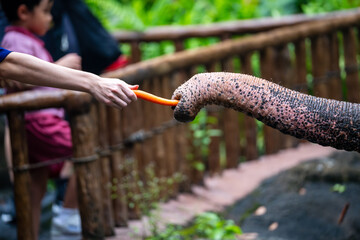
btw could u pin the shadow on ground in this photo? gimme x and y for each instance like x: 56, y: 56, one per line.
x: 300, y: 203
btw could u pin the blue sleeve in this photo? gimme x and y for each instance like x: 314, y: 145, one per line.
x: 3, y: 53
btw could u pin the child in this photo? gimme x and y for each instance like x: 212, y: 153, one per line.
x: 48, y: 134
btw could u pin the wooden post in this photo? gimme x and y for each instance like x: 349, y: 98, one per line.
x: 335, y: 89
x: 232, y: 137
x: 272, y: 139
x: 138, y: 119
x: 300, y: 66
x: 284, y: 74
x: 117, y: 165
x: 155, y: 146
x: 320, y: 65
x: 103, y: 139
x: 183, y: 164
x: 148, y: 145
x: 179, y: 45
x: 87, y: 174
x: 231, y: 126
x: 251, y: 151
x: 128, y: 127
x: 214, y: 166
x: 158, y: 116
x: 351, y: 66
x: 214, y: 147
x: 142, y: 150
x: 135, y: 52
x: 21, y: 178
x: 169, y: 134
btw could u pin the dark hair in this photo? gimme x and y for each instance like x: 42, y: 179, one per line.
x: 10, y: 7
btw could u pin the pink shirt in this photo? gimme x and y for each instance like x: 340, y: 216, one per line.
x: 21, y: 40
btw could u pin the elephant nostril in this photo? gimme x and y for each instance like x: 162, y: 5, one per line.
x: 176, y: 97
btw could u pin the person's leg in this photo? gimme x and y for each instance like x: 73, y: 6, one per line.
x: 68, y: 219
x: 8, y: 155
x: 70, y: 198
x: 38, y: 185
x: 50, y: 138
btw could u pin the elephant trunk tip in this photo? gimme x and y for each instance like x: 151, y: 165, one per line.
x: 182, y: 113
x: 183, y: 116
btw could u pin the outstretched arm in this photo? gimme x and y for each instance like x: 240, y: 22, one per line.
x: 31, y: 70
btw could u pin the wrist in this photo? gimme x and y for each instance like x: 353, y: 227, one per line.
x: 91, y: 82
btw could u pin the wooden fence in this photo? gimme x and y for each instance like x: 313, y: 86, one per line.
x: 105, y: 139
x: 178, y: 35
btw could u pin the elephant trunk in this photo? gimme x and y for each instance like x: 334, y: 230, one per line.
x: 323, y: 121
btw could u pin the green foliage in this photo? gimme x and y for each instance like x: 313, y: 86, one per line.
x: 202, y: 134
x: 115, y: 16
x: 321, y: 6
x: 211, y: 226
x: 339, y: 188
x: 278, y: 8
x: 148, y: 191
x: 145, y: 191
x: 184, y: 12
x: 205, y: 226
x: 137, y: 14
x: 141, y: 14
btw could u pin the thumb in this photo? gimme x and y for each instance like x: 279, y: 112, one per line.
x: 133, y: 87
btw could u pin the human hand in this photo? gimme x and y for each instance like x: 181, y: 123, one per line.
x: 71, y: 60
x: 114, y: 92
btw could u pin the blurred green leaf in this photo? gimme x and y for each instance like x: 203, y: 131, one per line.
x: 199, y: 166
x: 340, y: 188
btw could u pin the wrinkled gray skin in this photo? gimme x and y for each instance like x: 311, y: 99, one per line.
x: 323, y: 121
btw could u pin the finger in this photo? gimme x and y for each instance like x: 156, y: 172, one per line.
x: 112, y: 101
x: 120, y: 92
x: 129, y: 93
x: 120, y: 103
x: 123, y: 96
x: 111, y: 104
x: 133, y: 87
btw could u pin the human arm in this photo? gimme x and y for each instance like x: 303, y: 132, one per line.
x: 14, y: 85
x: 71, y: 60
x: 31, y: 70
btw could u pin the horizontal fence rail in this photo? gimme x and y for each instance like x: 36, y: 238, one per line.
x: 222, y: 30
x: 319, y: 57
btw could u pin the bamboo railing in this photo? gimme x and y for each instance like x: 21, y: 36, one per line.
x: 105, y: 139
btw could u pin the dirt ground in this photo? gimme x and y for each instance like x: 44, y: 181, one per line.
x: 305, y: 202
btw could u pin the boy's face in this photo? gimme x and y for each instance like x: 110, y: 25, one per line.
x: 40, y: 18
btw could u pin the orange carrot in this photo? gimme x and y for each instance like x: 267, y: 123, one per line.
x: 155, y: 99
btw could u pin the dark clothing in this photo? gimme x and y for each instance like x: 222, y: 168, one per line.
x: 76, y: 30
x: 3, y: 53
x: 3, y: 24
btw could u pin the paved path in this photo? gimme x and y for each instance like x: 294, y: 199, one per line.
x: 224, y: 190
